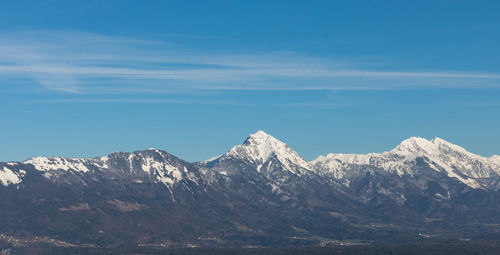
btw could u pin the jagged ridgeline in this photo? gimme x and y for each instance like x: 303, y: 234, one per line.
x: 260, y: 193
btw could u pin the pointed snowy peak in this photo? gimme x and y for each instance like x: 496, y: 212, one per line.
x: 415, y: 144
x: 260, y: 137
x: 260, y: 147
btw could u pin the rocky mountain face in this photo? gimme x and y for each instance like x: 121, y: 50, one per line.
x: 259, y: 193
x: 440, y: 155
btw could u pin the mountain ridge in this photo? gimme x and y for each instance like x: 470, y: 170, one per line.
x: 259, y: 147
x: 260, y: 193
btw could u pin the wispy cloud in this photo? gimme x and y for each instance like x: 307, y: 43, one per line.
x: 76, y: 62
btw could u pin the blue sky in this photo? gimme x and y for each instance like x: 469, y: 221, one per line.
x: 86, y: 78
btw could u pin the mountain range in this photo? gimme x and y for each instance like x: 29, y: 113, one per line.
x: 259, y: 193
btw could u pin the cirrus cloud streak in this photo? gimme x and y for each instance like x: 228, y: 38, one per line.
x: 77, y: 62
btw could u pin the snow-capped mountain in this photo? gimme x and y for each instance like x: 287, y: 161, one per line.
x: 440, y: 155
x: 151, y: 165
x: 261, y: 149
x: 258, y: 193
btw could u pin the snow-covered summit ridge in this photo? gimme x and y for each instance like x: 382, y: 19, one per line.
x: 263, y: 150
x: 58, y: 163
x: 158, y: 164
x: 42, y: 163
x: 452, y: 155
x: 260, y: 147
x: 443, y: 156
x: 437, y: 145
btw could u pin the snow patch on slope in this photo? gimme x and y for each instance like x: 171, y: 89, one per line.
x: 57, y: 163
x: 8, y: 177
x: 165, y: 172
